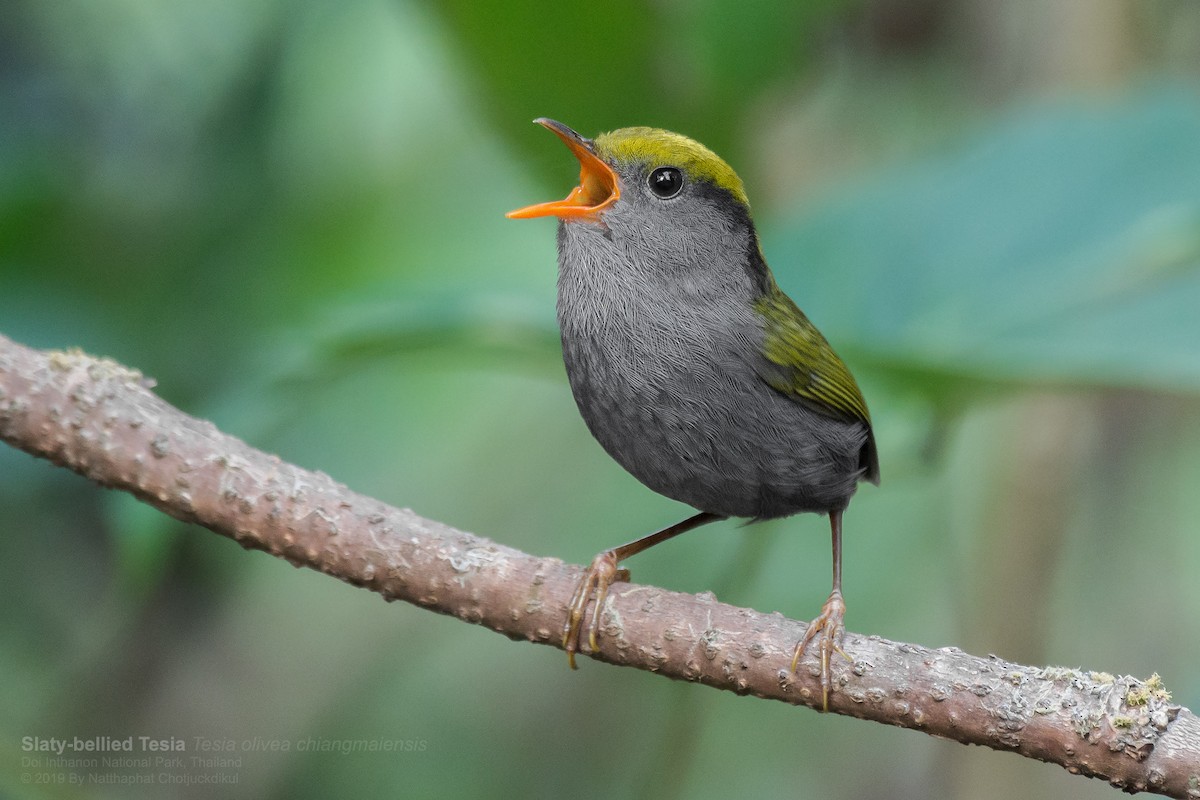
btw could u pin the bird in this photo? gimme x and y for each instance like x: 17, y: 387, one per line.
x: 688, y: 363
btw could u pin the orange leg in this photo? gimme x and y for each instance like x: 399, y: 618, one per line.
x: 827, y: 629
x: 603, y: 572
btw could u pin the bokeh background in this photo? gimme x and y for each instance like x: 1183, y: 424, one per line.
x: 290, y: 214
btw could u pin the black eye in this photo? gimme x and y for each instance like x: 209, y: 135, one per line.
x: 666, y: 182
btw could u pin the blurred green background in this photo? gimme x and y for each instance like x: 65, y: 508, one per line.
x: 291, y: 216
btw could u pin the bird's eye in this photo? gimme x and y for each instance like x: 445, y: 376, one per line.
x: 666, y: 182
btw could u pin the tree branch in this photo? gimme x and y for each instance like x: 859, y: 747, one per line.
x: 101, y: 420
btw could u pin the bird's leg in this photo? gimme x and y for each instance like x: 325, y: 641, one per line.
x: 828, y: 626
x: 603, y: 572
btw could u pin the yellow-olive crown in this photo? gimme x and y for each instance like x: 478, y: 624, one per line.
x: 656, y: 146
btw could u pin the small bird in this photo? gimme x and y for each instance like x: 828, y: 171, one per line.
x: 690, y: 365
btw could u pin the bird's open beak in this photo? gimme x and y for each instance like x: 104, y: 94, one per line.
x: 597, y: 189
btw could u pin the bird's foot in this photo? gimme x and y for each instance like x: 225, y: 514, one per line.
x: 602, y: 573
x: 827, y: 630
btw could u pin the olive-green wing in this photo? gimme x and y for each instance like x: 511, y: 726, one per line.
x: 802, y: 365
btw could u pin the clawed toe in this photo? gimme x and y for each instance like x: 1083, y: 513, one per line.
x: 827, y: 630
x: 601, y: 574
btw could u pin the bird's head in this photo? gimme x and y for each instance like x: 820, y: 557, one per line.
x: 668, y: 199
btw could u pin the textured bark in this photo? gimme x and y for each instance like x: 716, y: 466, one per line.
x: 101, y: 420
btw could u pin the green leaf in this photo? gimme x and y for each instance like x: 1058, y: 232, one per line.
x: 1062, y: 247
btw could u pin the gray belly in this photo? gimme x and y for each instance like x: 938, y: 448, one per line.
x: 712, y: 435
